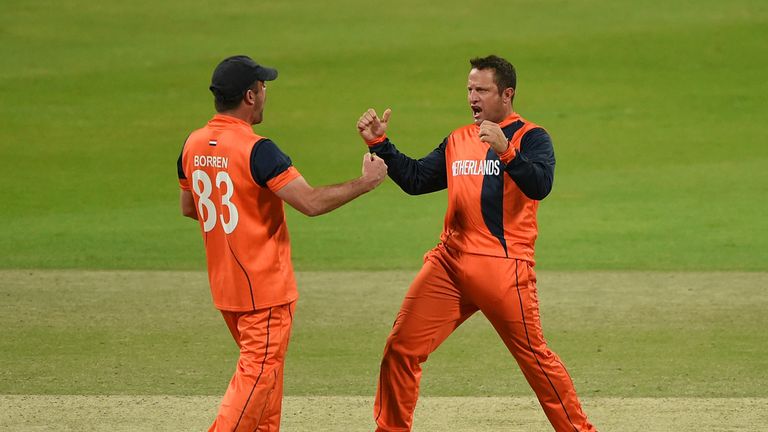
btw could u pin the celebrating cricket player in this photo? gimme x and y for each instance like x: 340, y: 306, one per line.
x: 234, y: 182
x: 496, y: 169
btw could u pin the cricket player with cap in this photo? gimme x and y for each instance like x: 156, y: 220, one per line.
x: 234, y: 182
x: 496, y: 170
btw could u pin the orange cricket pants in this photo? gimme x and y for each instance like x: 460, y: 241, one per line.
x: 450, y: 287
x: 254, y: 397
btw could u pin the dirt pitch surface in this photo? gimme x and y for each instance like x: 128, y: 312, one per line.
x: 174, y: 413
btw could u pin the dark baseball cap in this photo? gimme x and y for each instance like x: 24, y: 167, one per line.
x: 236, y: 74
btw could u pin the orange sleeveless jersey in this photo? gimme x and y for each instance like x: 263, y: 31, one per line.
x: 243, y: 223
x: 487, y: 212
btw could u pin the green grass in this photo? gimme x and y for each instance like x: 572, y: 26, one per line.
x: 621, y: 334
x: 657, y: 112
x: 653, y: 245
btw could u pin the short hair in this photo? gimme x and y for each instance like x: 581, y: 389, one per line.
x: 504, y: 73
x: 224, y: 105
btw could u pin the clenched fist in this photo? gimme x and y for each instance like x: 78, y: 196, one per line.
x: 374, y: 170
x: 492, y: 134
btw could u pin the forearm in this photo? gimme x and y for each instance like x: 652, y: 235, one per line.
x: 534, y: 178
x: 414, y: 176
x: 324, y: 199
x: 187, y: 204
x: 314, y: 201
x: 532, y: 167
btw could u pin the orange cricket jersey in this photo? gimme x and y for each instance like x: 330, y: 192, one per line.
x: 233, y: 175
x: 492, y: 199
x: 487, y: 212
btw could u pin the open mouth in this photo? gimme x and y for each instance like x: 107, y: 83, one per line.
x: 476, y: 110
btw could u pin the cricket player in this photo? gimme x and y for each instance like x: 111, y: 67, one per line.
x: 496, y: 169
x: 234, y: 182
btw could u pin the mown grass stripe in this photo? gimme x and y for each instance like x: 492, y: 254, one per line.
x: 339, y: 413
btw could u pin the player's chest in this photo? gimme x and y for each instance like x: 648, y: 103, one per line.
x: 470, y: 160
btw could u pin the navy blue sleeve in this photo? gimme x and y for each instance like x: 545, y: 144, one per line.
x: 415, y: 177
x: 533, y: 169
x: 267, y: 162
x: 179, y: 166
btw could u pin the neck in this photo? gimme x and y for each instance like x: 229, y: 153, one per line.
x: 505, y: 114
x: 240, y: 114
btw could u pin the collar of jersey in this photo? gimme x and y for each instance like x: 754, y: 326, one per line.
x: 508, y: 120
x: 223, y: 119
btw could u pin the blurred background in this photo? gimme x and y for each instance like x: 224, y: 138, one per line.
x: 657, y: 111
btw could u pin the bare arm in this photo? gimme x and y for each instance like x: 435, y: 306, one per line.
x: 187, y: 204
x: 314, y: 201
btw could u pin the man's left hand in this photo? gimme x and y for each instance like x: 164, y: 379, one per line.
x: 492, y: 134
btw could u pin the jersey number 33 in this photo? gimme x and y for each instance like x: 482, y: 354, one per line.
x: 203, y: 187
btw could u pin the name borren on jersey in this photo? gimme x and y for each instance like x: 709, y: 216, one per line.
x: 476, y: 167
x: 211, y: 161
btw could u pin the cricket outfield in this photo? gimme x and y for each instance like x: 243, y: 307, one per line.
x: 653, y: 249
x: 353, y: 413
x: 131, y: 350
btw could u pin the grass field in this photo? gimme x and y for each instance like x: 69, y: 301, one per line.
x: 334, y: 413
x: 656, y: 109
x: 144, y: 351
x: 652, y: 257
x: 684, y: 345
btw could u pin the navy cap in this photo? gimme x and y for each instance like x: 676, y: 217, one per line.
x: 236, y: 74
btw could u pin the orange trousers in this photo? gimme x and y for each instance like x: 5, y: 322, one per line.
x: 450, y: 287
x: 254, y: 397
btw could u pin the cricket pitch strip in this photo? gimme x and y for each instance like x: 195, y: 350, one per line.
x: 350, y: 413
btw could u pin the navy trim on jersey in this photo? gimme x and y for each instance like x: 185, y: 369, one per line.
x: 492, y: 202
x: 180, y: 168
x: 533, y: 169
x: 267, y: 161
x: 179, y: 164
x: 415, y: 177
x: 510, y: 129
x: 492, y: 193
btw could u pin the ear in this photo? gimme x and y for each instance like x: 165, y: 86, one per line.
x: 249, y: 97
x: 508, y: 94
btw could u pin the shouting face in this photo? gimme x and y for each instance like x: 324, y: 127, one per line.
x: 485, y: 100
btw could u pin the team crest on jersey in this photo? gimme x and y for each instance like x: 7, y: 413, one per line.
x: 476, y: 167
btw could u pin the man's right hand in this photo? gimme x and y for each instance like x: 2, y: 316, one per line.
x: 320, y: 200
x: 374, y: 170
x: 371, y: 126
